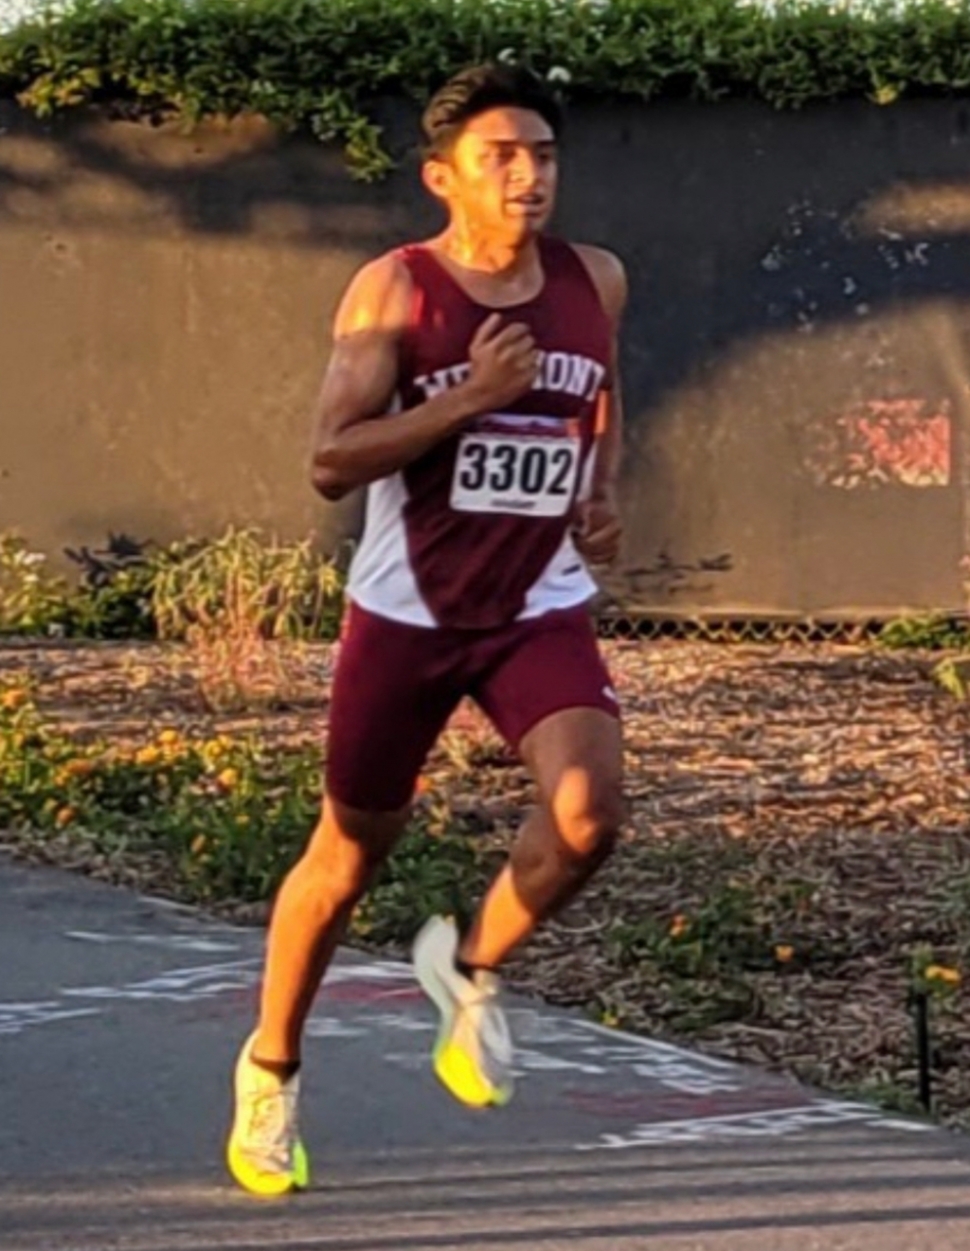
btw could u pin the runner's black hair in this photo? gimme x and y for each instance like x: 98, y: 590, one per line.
x: 478, y: 89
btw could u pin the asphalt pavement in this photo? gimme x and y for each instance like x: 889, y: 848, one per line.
x: 120, y: 1019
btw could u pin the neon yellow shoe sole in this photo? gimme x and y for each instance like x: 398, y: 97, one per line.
x: 268, y: 1185
x: 460, y: 1075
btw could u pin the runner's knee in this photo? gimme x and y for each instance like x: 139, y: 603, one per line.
x: 348, y: 847
x: 589, y: 812
x: 585, y: 817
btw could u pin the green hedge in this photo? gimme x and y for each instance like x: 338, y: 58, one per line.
x: 321, y: 64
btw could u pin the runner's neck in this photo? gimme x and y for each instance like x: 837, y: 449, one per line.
x: 491, y: 273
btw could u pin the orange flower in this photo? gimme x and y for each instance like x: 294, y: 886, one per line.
x: 679, y: 926
x: 784, y: 954
x: 13, y: 699
x: 169, y: 738
x: 64, y: 816
x: 147, y: 755
x: 78, y: 768
x: 422, y: 786
x: 227, y: 779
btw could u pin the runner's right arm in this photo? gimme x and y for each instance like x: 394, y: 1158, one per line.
x: 357, y: 436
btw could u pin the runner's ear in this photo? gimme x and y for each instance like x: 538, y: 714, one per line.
x: 436, y: 176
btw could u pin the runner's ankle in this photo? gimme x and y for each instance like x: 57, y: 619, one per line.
x: 283, y: 1069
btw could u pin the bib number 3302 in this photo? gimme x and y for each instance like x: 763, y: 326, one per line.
x: 530, y: 476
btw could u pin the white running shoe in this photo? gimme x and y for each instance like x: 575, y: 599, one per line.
x: 264, y: 1152
x: 473, y: 1052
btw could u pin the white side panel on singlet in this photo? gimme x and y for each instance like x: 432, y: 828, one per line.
x: 382, y: 581
x: 381, y: 578
x: 564, y: 583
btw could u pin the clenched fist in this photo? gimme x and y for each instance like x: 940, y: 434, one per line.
x: 504, y: 363
x: 597, y: 530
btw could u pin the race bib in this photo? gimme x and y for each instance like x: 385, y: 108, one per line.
x: 529, y: 475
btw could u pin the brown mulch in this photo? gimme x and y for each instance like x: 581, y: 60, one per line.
x: 829, y: 782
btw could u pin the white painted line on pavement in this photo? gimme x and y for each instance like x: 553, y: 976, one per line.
x: 820, y: 1115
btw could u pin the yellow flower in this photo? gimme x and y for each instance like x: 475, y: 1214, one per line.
x: 679, y: 926
x: 172, y: 745
x: 198, y: 845
x: 242, y: 819
x: 13, y: 699
x: 217, y: 746
x: 227, y: 779
x: 210, y: 751
x: 64, y: 816
x: 941, y: 973
x: 784, y: 954
x: 147, y: 755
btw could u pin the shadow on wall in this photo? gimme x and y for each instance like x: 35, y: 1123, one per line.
x: 735, y: 220
x: 792, y: 275
x: 796, y: 351
x: 216, y: 180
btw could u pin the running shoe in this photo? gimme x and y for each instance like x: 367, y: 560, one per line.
x: 264, y: 1153
x: 473, y: 1052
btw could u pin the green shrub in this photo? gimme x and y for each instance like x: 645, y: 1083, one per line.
x: 240, y: 584
x: 110, y: 599
x: 32, y: 600
x: 933, y: 631
x: 321, y: 65
x: 113, y: 598
x: 244, y: 581
x: 953, y: 675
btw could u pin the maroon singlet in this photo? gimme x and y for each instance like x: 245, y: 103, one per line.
x: 475, y: 533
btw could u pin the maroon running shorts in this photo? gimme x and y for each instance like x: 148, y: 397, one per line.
x: 396, y: 685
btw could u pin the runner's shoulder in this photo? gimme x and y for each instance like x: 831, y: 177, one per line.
x: 607, y: 272
x: 378, y: 296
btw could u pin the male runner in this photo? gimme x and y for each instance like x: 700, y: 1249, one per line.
x: 472, y: 388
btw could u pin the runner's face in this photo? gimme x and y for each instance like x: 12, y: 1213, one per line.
x: 501, y: 173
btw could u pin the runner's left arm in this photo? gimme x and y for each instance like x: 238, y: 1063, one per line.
x: 599, y: 529
x: 608, y: 448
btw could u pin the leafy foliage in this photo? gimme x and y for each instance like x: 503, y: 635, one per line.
x: 241, y: 585
x: 223, y: 817
x: 113, y: 599
x: 953, y: 674
x: 32, y: 600
x: 933, y: 632
x: 321, y: 65
x: 282, y: 591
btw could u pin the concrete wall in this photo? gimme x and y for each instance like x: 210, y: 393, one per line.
x: 795, y: 357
